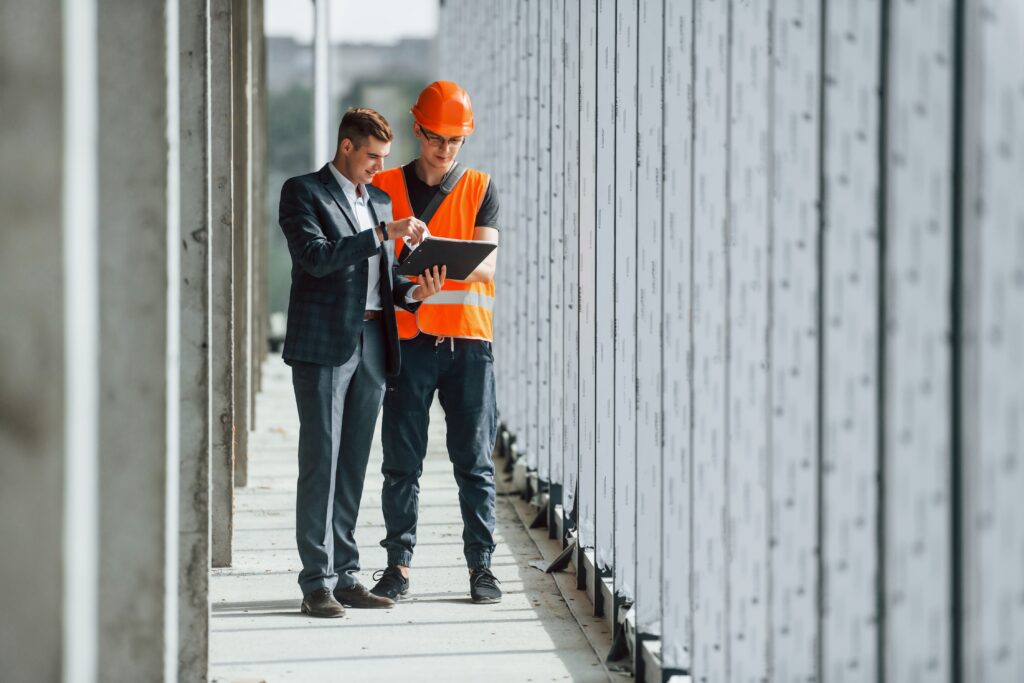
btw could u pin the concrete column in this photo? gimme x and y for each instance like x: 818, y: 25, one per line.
x: 138, y: 314
x: 47, y: 376
x: 256, y: 227
x: 241, y: 81
x: 321, y: 84
x: 258, y: 203
x: 222, y: 490
x: 194, y: 519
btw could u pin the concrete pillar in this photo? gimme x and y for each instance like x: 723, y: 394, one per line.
x: 138, y: 316
x: 222, y: 466
x: 48, y: 336
x: 262, y: 178
x: 257, y: 221
x: 195, y: 427
x: 321, y: 84
x: 241, y: 81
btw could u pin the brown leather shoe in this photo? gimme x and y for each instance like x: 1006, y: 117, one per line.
x: 320, y: 603
x: 357, y: 596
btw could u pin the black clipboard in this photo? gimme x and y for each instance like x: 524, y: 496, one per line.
x: 460, y: 256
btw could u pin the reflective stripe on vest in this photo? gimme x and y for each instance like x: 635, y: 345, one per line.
x: 463, y: 298
x: 461, y: 309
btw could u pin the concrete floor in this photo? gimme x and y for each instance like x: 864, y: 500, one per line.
x: 437, y: 635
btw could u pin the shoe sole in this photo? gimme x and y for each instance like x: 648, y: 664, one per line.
x: 396, y: 598
x: 348, y: 604
x: 485, y: 601
x: 305, y: 610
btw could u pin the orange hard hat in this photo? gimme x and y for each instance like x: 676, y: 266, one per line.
x: 444, y: 108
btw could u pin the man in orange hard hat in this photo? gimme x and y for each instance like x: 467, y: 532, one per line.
x: 446, y: 347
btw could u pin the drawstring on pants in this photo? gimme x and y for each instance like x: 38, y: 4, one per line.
x: 440, y: 340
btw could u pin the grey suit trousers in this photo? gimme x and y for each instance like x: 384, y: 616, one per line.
x: 338, y: 408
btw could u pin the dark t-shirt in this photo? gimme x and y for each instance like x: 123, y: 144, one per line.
x: 420, y: 195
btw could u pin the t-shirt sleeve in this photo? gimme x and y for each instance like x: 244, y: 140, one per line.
x: 487, y: 214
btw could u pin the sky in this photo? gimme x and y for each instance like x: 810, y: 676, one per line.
x: 354, y: 21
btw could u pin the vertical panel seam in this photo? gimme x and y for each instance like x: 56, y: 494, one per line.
x: 661, y: 323
x: 819, y: 641
x: 956, y: 436
x: 727, y: 436
x: 881, y: 358
x: 690, y: 362
x: 769, y: 347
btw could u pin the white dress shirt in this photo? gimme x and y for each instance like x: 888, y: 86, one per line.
x: 357, y: 198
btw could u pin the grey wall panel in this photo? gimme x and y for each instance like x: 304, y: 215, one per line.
x: 556, y: 241
x: 505, y: 305
x: 532, y: 229
x: 993, y: 344
x: 649, y: 338
x: 507, y: 262
x: 495, y: 162
x: 677, y: 288
x: 793, y: 341
x: 588, y: 275
x: 917, y: 566
x: 850, y: 343
x: 571, y: 269
x: 625, y: 291
x: 541, y: 230
x: 710, y: 514
x: 523, y: 174
x: 605, y: 270
x: 502, y: 38
x: 513, y: 215
x: 747, y: 351
x: 761, y: 221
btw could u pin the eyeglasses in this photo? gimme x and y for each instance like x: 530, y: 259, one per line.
x: 439, y: 142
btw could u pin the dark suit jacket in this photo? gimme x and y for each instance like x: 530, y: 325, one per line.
x: 330, y: 269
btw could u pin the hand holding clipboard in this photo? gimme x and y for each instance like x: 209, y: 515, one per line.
x: 460, y: 257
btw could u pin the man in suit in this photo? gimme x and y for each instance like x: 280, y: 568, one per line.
x: 341, y: 341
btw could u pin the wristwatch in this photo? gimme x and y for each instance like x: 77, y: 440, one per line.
x: 383, y: 230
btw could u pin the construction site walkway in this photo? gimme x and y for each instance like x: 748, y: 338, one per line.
x: 436, y: 634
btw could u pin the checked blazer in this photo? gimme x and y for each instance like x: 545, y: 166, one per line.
x: 330, y: 269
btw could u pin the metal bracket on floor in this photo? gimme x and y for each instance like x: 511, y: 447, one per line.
x: 557, y: 564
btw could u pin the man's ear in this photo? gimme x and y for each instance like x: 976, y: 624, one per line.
x: 346, y: 145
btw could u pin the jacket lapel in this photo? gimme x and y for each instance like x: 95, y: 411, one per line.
x: 327, y: 178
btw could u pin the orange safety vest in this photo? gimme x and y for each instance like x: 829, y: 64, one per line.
x: 460, y: 309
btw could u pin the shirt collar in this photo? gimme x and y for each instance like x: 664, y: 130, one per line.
x: 347, y: 186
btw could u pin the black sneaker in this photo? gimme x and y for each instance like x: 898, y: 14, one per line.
x: 390, y: 583
x: 483, y: 586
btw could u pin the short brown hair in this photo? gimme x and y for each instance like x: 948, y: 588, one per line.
x: 359, y: 123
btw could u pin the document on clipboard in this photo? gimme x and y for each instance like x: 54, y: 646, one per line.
x: 460, y: 256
